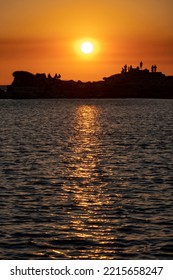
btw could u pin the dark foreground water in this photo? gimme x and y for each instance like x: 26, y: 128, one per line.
x: 86, y: 179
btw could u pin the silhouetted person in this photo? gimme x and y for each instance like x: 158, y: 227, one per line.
x: 49, y: 76
x: 141, y: 64
x: 153, y: 68
x: 57, y: 76
x: 125, y: 68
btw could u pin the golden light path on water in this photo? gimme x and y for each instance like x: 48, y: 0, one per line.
x: 86, y: 190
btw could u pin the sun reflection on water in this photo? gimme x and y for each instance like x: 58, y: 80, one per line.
x: 86, y: 190
x: 86, y: 142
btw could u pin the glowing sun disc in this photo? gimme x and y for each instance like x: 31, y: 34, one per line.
x: 87, y: 47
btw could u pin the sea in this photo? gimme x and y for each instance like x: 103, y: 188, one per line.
x: 86, y: 179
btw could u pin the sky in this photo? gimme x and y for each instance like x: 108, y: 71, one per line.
x: 44, y: 36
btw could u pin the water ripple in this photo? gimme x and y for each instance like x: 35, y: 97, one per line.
x: 86, y: 179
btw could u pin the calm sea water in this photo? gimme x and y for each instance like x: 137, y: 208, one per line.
x: 86, y: 179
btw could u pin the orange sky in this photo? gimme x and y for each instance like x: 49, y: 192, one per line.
x: 45, y: 35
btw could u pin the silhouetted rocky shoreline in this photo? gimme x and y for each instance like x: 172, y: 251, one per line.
x: 131, y: 83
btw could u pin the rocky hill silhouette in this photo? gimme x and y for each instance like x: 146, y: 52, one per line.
x: 130, y: 83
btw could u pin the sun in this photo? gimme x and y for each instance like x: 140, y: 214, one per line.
x: 87, y: 47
